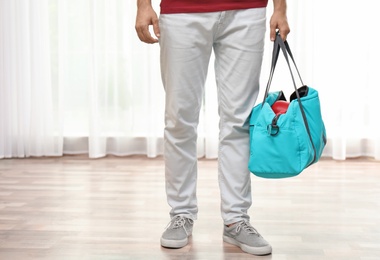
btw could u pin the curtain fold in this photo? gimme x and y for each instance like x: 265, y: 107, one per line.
x: 74, y: 78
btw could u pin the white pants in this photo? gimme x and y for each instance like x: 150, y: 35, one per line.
x: 186, y: 42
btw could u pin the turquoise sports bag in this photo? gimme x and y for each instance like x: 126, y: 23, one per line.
x: 284, y: 144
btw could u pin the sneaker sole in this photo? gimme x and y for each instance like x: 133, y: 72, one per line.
x: 174, y: 243
x: 263, y: 250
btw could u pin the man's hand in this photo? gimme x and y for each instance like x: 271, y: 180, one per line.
x: 146, y: 16
x: 279, y: 20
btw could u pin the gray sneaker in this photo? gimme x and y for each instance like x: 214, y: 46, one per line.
x: 177, y: 232
x: 243, y: 235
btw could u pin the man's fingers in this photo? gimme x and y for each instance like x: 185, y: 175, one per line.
x: 139, y: 32
x: 283, y: 28
x: 144, y: 34
x: 284, y: 32
x: 272, y: 33
x: 156, y: 28
x: 148, y: 37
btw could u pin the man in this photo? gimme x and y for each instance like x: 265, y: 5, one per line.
x: 188, y: 31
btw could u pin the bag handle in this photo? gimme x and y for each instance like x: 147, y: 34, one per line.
x: 275, y: 53
x: 276, y: 50
x: 284, y: 46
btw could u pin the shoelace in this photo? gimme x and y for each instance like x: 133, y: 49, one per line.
x: 179, y: 221
x: 246, y: 227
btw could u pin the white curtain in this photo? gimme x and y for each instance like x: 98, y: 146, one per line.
x: 27, y: 124
x: 74, y: 78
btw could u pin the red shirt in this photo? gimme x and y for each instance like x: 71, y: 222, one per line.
x: 200, y: 6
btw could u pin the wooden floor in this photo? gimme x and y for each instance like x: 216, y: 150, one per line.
x: 115, y: 208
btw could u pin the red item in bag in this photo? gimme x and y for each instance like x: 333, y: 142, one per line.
x: 280, y: 107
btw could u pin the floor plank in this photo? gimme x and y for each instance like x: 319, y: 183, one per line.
x: 73, y: 207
